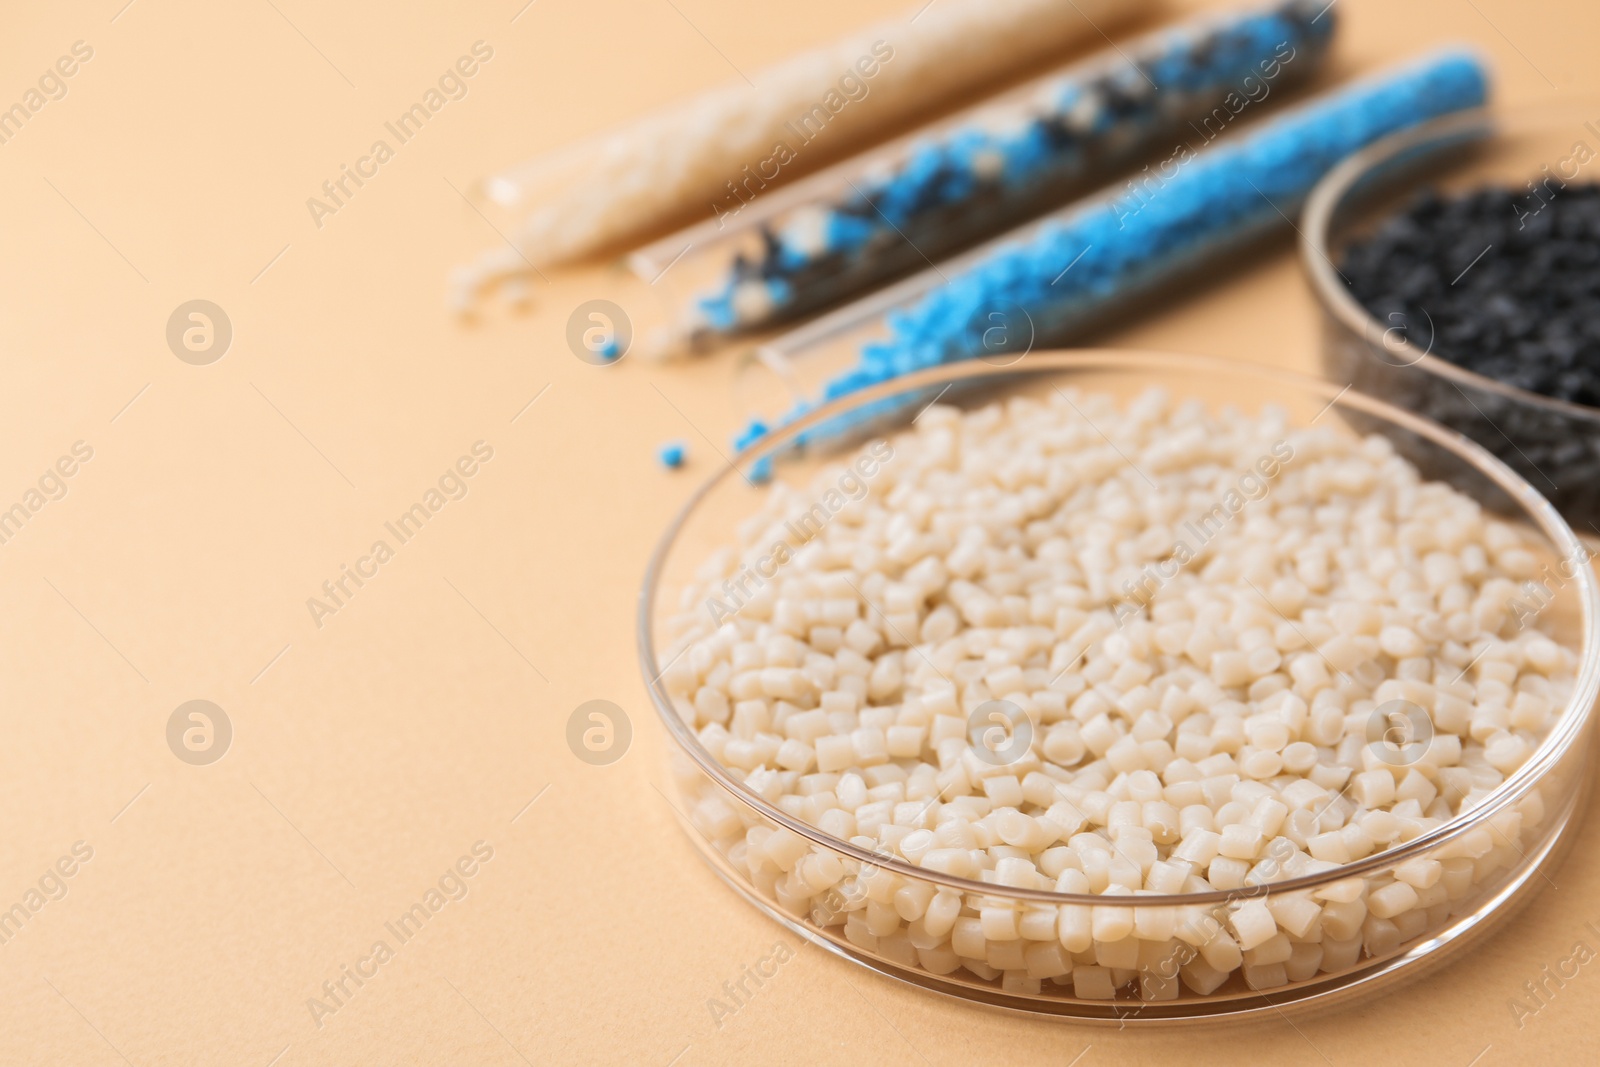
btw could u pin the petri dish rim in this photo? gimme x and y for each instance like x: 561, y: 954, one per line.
x: 1575, y: 714
x: 1317, y: 219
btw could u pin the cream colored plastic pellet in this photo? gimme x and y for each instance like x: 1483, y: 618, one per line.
x: 1240, y: 842
x: 1252, y: 924
x: 1156, y: 986
x: 1202, y: 977
x: 834, y: 752
x: 1391, y: 900
x: 1294, y: 913
x: 942, y: 913
x: 1419, y: 873
x: 1265, y: 977
x: 1275, y: 949
x: 1092, y: 983
x: 998, y: 923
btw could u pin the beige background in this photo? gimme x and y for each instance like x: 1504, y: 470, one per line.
x: 370, y: 753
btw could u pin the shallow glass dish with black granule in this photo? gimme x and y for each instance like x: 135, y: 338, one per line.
x: 1502, y: 282
x: 1458, y: 269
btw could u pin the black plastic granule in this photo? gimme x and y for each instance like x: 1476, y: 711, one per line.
x: 1503, y: 283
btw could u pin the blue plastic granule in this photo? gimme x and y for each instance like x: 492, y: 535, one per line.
x: 672, y: 454
x: 750, y: 435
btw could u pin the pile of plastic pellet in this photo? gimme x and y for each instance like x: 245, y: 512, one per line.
x: 1499, y: 281
x: 1197, y: 616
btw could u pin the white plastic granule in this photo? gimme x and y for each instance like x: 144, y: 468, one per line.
x: 1061, y: 645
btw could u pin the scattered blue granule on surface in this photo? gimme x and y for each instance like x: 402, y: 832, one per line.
x: 1120, y: 242
x: 750, y: 435
x: 672, y: 454
x: 761, y: 470
x: 1092, y: 115
x: 610, y: 349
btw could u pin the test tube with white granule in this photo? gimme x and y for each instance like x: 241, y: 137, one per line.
x: 607, y: 189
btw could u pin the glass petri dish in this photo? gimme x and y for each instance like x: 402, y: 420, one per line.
x: 1553, y: 444
x: 1489, y: 859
